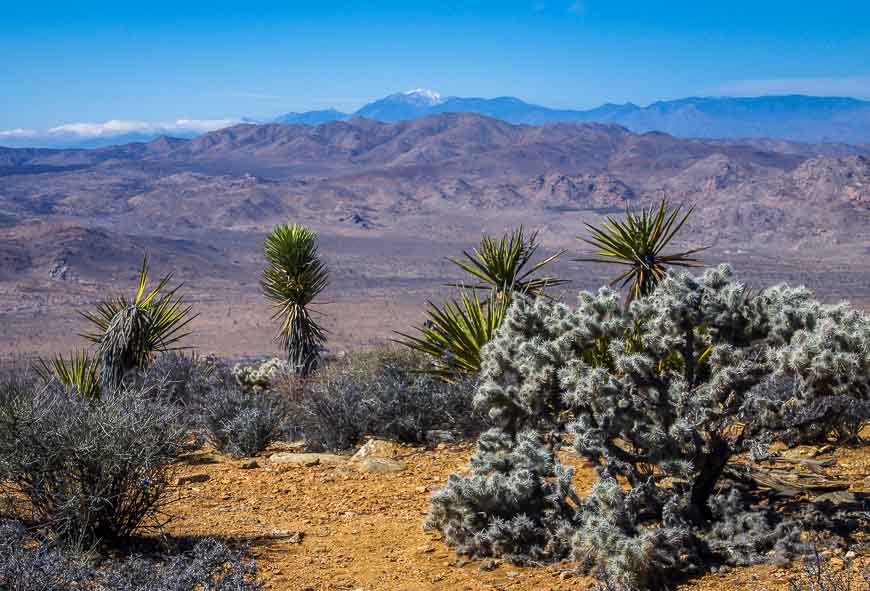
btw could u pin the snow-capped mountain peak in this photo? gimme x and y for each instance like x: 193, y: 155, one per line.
x: 424, y: 94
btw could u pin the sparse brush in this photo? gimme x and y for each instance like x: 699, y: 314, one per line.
x: 209, y: 566
x: 28, y: 564
x: 818, y: 574
x: 31, y: 565
x: 294, y: 277
x: 381, y: 393
x: 637, y: 243
x: 80, y: 371
x: 182, y: 380
x: 128, y: 332
x: 243, y: 423
x: 86, y: 471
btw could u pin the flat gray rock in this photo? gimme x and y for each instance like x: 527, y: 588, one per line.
x: 380, y: 465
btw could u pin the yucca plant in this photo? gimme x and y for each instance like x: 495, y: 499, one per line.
x: 294, y: 277
x: 637, y: 243
x: 80, y: 371
x: 454, y: 334
x: 129, y: 332
x: 502, y: 265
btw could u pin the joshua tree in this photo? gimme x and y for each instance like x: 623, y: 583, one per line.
x: 637, y: 243
x: 128, y: 333
x: 294, y: 276
x: 455, y: 333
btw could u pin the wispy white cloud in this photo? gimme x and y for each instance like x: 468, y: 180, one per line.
x: 18, y: 132
x: 116, y: 127
x: 854, y: 86
x: 73, y: 134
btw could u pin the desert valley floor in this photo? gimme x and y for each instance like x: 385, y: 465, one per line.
x: 390, y: 201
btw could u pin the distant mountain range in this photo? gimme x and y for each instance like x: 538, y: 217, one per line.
x: 791, y: 117
x: 799, y: 118
x: 364, y: 175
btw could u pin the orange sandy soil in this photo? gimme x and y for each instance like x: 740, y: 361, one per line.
x: 364, y: 531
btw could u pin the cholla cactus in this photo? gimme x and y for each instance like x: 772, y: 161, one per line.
x: 258, y: 378
x: 830, y: 366
x: 661, y: 395
x: 517, y: 502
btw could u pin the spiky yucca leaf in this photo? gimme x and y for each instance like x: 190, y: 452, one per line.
x: 129, y: 332
x: 454, y: 334
x: 80, y: 370
x: 637, y: 243
x: 501, y: 264
x: 294, y: 276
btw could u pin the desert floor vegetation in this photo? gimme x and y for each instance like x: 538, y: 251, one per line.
x: 692, y: 433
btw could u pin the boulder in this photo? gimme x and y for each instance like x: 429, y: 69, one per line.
x: 376, y: 448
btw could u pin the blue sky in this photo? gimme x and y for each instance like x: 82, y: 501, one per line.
x: 80, y: 61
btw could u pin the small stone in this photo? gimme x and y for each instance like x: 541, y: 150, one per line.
x: 425, y: 549
x: 489, y: 565
x: 565, y: 575
x: 512, y: 574
x: 306, y: 459
x: 440, y: 436
x: 249, y: 464
x: 191, y: 479
x: 380, y: 466
x: 460, y: 563
x: 421, y: 489
x: 850, y: 555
